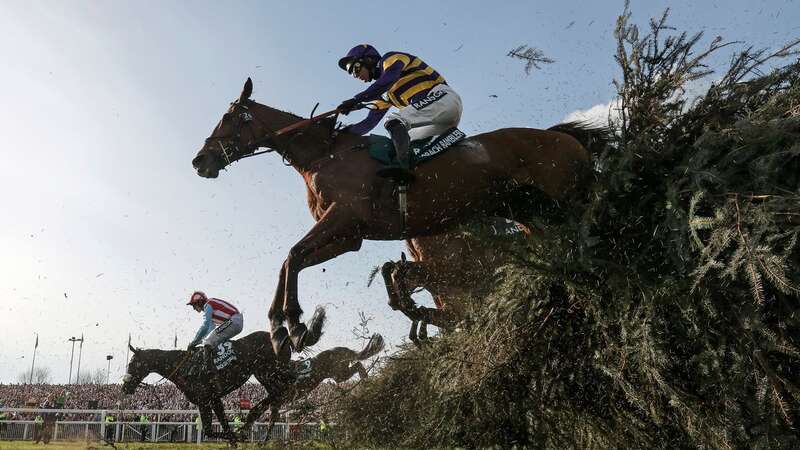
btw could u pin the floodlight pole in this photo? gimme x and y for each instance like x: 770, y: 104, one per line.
x: 80, y: 354
x: 108, y: 370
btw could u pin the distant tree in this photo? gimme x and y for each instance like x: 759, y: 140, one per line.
x: 41, y: 375
x: 97, y: 376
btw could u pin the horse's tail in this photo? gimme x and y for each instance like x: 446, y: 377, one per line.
x: 374, y: 346
x: 593, y: 138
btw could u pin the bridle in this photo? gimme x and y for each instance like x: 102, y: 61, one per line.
x: 234, y: 138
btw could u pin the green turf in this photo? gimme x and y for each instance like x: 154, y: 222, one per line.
x: 14, y: 445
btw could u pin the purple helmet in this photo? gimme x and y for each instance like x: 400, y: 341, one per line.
x: 359, y: 52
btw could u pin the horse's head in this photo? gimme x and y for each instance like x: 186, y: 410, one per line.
x: 138, y: 368
x: 235, y: 136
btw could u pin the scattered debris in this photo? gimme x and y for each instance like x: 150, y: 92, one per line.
x: 532, y: 56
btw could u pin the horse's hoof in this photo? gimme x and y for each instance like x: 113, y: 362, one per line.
x: 423, y: 331
x: 279, y: 339
x: 298, y: 336
x: 315, y: 326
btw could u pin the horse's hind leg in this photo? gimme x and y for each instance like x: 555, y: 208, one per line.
x: 437, y: 317
x: 412, y: 333
x: 273, y: 416
x: 254, y: 414
x: 423, y: 331
x: 396, y: 300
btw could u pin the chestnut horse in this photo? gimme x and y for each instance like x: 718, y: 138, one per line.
x: 456, y: 268
x: 481, y: 175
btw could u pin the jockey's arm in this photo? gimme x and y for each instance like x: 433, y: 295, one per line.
x: 206, y: 326
x: 372, y: 119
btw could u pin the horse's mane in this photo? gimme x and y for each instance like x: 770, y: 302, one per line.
x: 326, y: 121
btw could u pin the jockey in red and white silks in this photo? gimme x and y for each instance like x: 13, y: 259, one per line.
x: 227, y: 319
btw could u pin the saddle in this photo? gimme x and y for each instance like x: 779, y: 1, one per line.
x: 301, y: 369
x: 381, y: 148
x: 224, y: 354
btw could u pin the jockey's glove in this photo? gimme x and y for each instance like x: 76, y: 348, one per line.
x: 348, y: 105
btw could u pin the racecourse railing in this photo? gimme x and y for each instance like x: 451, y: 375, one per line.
x: 163, y: 426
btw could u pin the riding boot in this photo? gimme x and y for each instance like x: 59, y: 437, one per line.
x: 401, y: 170
x: 211, y: 369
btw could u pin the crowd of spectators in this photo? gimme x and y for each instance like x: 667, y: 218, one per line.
x: 163, y: 396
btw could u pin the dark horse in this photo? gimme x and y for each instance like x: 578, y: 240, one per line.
x: 254, y: 357
x: 338, y: 363
x: 481, y: 175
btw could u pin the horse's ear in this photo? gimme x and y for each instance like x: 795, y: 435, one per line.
x: 403, y: 256
x: 247, y: 91
x: 133, y: 349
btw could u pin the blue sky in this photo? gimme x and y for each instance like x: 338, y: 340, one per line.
x: 105, y: 104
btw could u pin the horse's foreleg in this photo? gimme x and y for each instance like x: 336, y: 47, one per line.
x: 333, y: 235
x: 278, y: 333
x: 207, y: 417
x: 219, y: 410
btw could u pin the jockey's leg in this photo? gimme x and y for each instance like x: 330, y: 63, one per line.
x: 209, y: 344
x: 211, y: 369
x: 441, y: 111
x: 435, y: 118
x: 401, y: 140
x: 222, y: 333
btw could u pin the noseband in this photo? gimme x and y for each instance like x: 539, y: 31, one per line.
x: 235, y: 137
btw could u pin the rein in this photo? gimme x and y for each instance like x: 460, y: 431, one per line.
x: 304, y: 123
x: 183, y: 361
x: 153, y: 386
x: 295, y: 126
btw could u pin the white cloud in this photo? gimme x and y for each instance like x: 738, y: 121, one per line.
x: 597, y: 114
x: 602, y: 113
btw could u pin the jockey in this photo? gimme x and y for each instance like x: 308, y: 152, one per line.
x: 228, y: 321
x: 427, y: 106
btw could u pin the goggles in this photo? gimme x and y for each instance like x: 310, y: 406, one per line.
x: 354, y: 67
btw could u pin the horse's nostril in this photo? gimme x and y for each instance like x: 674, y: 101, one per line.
x: 198, y: 161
